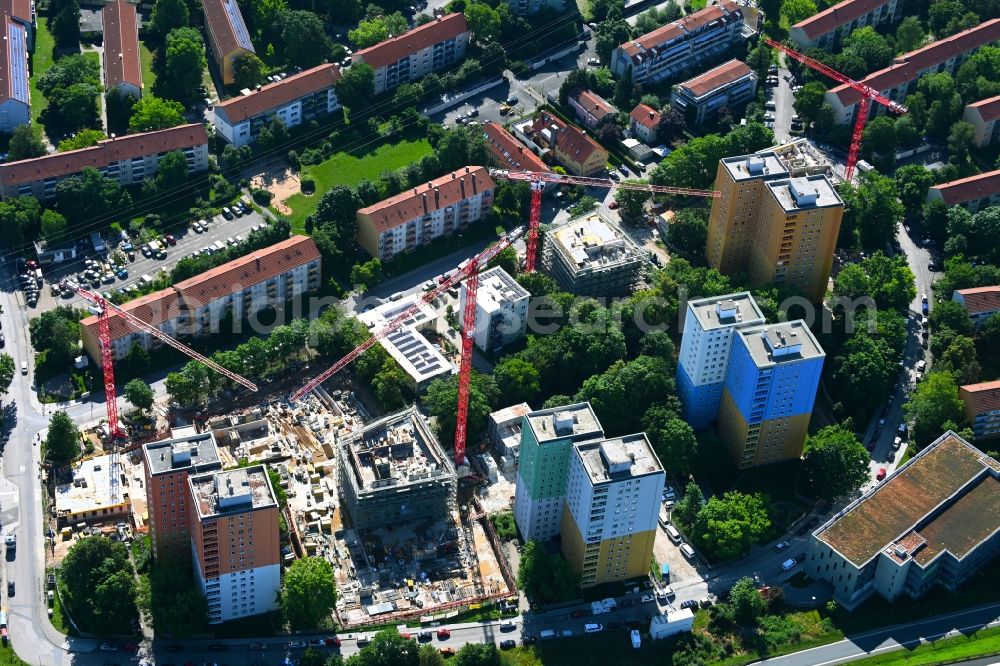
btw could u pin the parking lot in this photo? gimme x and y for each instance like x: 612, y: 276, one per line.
x: 187, y: 242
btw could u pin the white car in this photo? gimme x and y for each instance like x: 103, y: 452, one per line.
x: 593, y: 628
x: 297, y: 644
x: 24, y: 367
x: 647, y: 598
x: 788, y: 564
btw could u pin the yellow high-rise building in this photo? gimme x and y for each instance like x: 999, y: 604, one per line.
x: 777, y: 219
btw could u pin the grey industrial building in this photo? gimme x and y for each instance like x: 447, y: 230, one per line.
x: 590, y: 255
x: 394, y: 471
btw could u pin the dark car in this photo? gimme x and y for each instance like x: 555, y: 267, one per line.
x: 10, y: 588
x: 508, y: 644
x: 690, y: 603
x: 424, y: 636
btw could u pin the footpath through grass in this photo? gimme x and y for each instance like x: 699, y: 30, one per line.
x: 351, y: 169
x: 983, y: 643
x: 41, y: 62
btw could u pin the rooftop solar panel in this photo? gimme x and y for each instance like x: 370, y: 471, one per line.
x: 17, y: 45
x: 239, y: 27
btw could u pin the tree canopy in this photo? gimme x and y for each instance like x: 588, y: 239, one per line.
x: 99, y: 586
x: 151, y: 113
x: 308, y: 592
x: 546, y: 578
x: 835, y: 463
x: 728, y: 526
x: 934, y: 407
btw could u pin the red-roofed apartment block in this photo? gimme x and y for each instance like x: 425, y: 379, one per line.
x: 243, y: 287
x: 729, y: 85
x: 122, y: 71
x: 227, y: 35
x: 429, y: 48
x: 900, y: 78
x: 984, y: 116
x: 831, y: 26
x: 982, y: 407
x: 980, y: 302
x: 974, y: 193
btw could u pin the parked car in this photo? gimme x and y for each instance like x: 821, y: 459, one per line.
x: 780, y: 546
x: 593, y: 628
x: 881, y: 474
x: 443, y: 634
x: 690, y: 603
x: 170, y: 239
x: 508, y: 625
x: 788, y: 564
x: 24, y: 367
x: 226, y: 213
x: 424, y: 636
x: 508, y: 644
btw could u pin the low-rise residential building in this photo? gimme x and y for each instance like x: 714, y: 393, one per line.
x: 408, y: 345
x: 982, y: 408
x: 297, y: 99
x: 417, y: 216
x: 89, y: 495
x: 980, y: 302
x: 591, y: 109
x: 984, y: 116
x: 128, y: 160
x: 228, y: 36
x: 685, y: 45
x: 730, y: 85
x: 644, y: 121
x: 236, y: 542
x: 501, y: 310
x: 22, y: 12
x: 935, y: 521
x: 973, y: 193
x: 900, y: 78
x: 505, y: 433
x: 565, y: 144
x: 431, y: 47
x: 832, y: 25
x: 15, y: 97
x: 122, y: 70
x: 591, y: 256
x: 506, y: 152
x: 529, y: 7
x: 196, y: 306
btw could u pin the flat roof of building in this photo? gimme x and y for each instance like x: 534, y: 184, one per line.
x: 593, y: 240
x: 948, y: 494
x: 497, y: 287
x: 748, y: 167
x: 196, y: 453
x: 728, y: 310
x: 231, y: 491
x: 804, y: 192
x: 773, y: 344
x: 619, y: 458
x: 90, y: 489
x: 406, y: 344
x: 577, y: 421
x: 397, y: 450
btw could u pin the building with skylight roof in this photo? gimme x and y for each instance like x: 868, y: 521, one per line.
x: 15, y: 100
x: 227, y: 35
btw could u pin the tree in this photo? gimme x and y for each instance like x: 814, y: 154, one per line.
x: 152, y: 113
x: 631, y: 202
x: 305, y: 38
x: 749, y: 138
x: 82, y: 139
x: 378, y: 28
x: 949, y: 314
x: 6, y: 372
x: 886, y: 280
x: 517, y: 381
x: 879, y: 137
x: 687, y: 509
x: 478, y: 654
x: 429, y: 655
x: 388, y: 648
x: 71, y: 109
x: 168, y: 15
x: 602, y: 9
x: 248, y: 70
x: 933, y: 404
x: 621, y: 394
x: 747, y: 601
x: 910, y: 34
x: 687, y: 231
x: 56, y: 334
x: 313, y: 657
x: 98, y: 585
x: 184, y: 62
x: 871, y: 47
x: 53, y: 225
x: 808, y: 100
x: 20, y: 218
x: 88, y: 196
x: 797, y: 10
x: 672, y: 439
x: 356, y: 84
x: 25, y: 143
x: 873, y: 209
x: 368, y: 274
x: 69, y: 70
x: 728, y: 526
x: 961, y: 138
x: 139, y: 393
x: 308, y: 592
x: 65, y: 24
x: 172, y: 170
x: 442, y: 396
x: 692, y: 165
x: 960, y: 359
x: 484, y: 21
x: 507, y: 260
x: 172, y: 598
x: 546, y: 578
x: 835, y: 463
x: 912, y: 181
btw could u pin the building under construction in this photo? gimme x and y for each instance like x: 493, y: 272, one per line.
x: 591, y: 256
x: 394, y: 472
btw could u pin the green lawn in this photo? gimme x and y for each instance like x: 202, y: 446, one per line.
x: 59, y: 619
x: 8, y: 658
x: 949, y: 650
x: 146, y: 60
x: 348, y: 169
x: 41, y: 62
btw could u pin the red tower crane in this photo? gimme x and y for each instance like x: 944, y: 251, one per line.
x: 101, y: 307
x: 470, y: 273
x: 868, y: 95
x: 538, y: 179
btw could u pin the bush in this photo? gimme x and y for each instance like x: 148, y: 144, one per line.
x: 505, y: 526
x: 262, y: 197
x: 777, y: 631
x: 307, y: 184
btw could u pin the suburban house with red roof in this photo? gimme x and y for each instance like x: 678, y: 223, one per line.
x: 984, y: 116
x: 128, y: 159
x: 428, y: 48
x: 687, y: 44
x: 507, y: 152
x: 122, y: 70
x: 243, y: 287
x: 982, y: 408
x: 564, y: 144
x: 935, y: 521
x: 418, y: 215
x: 591, y: 109
x: 22, y: 12
x: 731, y: 85
x: 980, y: 302
x: 227, y: 35
x: 15, y: 97
x: 974, y: 193
x: 900, y: 78
x: 294, y: 100
x: 644, y: 122
x: 832, y: 25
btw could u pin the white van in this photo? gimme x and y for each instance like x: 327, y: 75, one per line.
x: 546, y: 633
x: 672, y: 532
x: 687, y: 551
